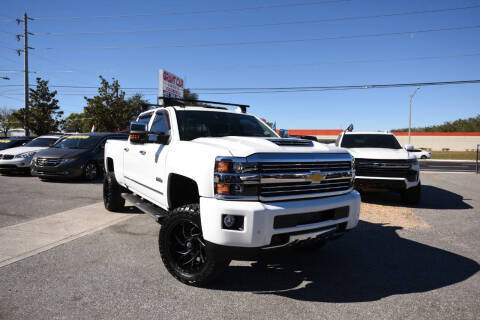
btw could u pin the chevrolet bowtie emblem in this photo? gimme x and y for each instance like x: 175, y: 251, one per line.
x: 315, y: 177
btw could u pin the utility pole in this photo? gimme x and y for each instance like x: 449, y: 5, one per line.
x: 410, y: 114
x: 25, y: 55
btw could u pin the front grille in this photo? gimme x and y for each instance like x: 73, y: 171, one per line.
x: 292, y: 142
x: 6, y: 157
x: 285, y: 180
x: 47, y: 162
x: 383, y: 168
x: 268, y: 167
x: 293, y: 220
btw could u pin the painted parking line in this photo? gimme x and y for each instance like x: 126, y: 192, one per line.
x: 26, y: 239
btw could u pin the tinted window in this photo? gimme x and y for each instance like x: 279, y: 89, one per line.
x: 6, y: 143
x: 160, y: 125
x: 78, y: 142
x: 41, y: 142
x: 196, y: 124
x: 370, y: 141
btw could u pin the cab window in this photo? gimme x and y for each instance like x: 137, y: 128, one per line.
x: 159, y: 126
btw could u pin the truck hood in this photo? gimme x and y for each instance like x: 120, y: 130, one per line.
x: 379, y: 153
x: 245, y: 146
x: 60, y: 153
x: 19, y: 150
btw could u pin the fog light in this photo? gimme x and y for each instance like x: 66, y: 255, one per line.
x: 229, y: 221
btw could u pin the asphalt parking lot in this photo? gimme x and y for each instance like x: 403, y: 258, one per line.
x: 399, y: 263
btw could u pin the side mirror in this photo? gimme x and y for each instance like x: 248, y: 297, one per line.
x: 409, y: 147
x: 138, y: 132
x: 283, y: 133
x: 163, y: 138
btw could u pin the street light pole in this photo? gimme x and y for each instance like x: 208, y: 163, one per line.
x: 410, y: 114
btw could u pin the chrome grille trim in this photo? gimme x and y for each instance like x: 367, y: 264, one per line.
x: 299, y: 176
x: 48, y: 162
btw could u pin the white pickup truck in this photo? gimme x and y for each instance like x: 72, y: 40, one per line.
x: 382, y: 164
x: 223, y: 185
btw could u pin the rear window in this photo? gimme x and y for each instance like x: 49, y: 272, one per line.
x: 387, y: 141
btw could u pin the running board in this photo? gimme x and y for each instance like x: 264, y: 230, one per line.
x: 157, y: 213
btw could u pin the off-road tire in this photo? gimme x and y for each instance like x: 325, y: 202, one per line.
x: 412, y: 196
x: 112, y: 191
x: 209, y: 269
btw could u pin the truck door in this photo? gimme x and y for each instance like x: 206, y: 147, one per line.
x: 156, y: 150
x: 134, y: 161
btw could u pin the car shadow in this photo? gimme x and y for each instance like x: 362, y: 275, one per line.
x: 20, y: 174
x: 130, y: 210
x: 432, y: 198
x: 370, y: 263
x: 72, y: 180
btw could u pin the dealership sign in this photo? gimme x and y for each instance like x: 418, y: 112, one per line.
x: 169, y: 85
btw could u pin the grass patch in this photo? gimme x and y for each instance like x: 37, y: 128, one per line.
x: 454, y: 155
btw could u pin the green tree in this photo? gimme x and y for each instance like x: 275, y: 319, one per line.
x: 44, y: 113
x: 77, y: 122
x: 109, y: 110
x: 7, y: 120
x: 460, y: 125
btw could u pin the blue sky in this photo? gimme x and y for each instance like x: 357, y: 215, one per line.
x: 262, y: 65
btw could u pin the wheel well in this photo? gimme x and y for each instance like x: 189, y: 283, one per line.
x: 110, y: 165
x: 181, y: 191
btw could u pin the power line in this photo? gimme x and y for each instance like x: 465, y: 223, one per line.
x: 194, y: 12
x: 294, y: 88
x: 278, y: 65
x: 239, y: 26
x: 349, y: 87
x: 224, y: 44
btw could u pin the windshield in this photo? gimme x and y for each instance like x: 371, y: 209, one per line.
x: 78, y: 142
x: 6, y: 143
x: 387, y: 141
x: 41, y: 142
x: 196, y: 124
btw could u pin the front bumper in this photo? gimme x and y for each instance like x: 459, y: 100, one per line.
x: 15, y: 163
x: 259, y: 218
x: 60, y: 171
x: 384, y: 183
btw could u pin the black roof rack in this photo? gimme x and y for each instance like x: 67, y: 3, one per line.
x: 178, y: 101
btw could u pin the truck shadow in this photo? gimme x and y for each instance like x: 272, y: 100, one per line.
x: 432, y: 198
x: 370, y: 263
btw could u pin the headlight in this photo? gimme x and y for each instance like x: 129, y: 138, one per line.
x: 26, y: 154
x: 235, y: 178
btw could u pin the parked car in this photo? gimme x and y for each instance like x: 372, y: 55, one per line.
x: 77, y: 155
x: 19, y: 158
x: 224, y: 186
x: 382, y: 164
x: 12, y: 142
x: 421, y: 154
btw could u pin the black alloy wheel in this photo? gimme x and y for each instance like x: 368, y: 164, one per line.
x: 91, y: 171
x: 183, y: 250
x: 187, y: 247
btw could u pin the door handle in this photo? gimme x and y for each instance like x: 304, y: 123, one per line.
x: 142, y: 152
x: 126, y: 149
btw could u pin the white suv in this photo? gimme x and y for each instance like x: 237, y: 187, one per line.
x: 382, y: 164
